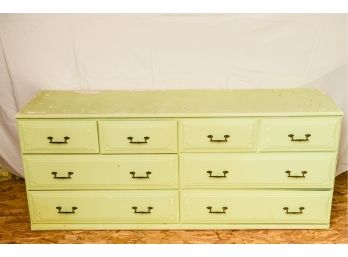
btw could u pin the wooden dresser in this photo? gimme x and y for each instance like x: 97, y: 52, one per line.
x: 180, y: 159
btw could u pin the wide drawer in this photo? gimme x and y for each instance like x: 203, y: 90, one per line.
x: 300, y: 134
x: 103, y: 206
x: 50, y: 172
x: 214, y: 135
x: 52, y: 136
x: 138, y: 136
x: 258, y: 170
x: 255, y: 206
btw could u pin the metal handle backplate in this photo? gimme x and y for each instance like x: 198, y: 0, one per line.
x: 294, y: 212
x: 138, y: 142
x: 149, y: 209
x: 50, y: 138
x: 217, y: 212
x: 141, y: 177
x: 54, y: 173
x: 218, y: 140
x: 73, y: 209
x: 296, y: 176
x: 217, y: 176
x: 307, y: 136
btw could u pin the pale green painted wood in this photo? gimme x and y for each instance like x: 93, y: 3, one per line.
x: 324, y: 131
x: 256, y: 121
x: 101, y: 171
x: 180, y: 103
x: 257, y: 170
x: 104, y: 206
x: 176, y: 226
x: 83, y: 136
x: 162, y: 136
x: 194, y: 135
x: 255, y: 206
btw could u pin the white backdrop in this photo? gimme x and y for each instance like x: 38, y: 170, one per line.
x: 158, y: 51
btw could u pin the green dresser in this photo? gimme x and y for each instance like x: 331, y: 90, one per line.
x: 180, y: 159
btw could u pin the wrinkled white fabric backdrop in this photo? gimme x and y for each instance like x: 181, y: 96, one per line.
x: 152, y: 51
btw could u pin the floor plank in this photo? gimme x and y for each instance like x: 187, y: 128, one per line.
x: 15, y: 228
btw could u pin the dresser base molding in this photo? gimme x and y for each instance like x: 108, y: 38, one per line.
x: 174, y: 226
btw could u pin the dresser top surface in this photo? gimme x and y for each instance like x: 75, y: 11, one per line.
x: 179, y: 103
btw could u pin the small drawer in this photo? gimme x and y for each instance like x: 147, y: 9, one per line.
x: 255, y: 206
x: 52, y: 136
x: 300, y: 134
x: 52, y: 172
x: 103, y: 206
x: 214, y: 135
x: 138, y: 136
x: 258, y: 170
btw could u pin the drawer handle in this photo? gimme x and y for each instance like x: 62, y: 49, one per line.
x: 142, y: 212
x: 217, y: 212
x: 299, y: 139
x: 138, y: 142
x: 294, y: 212
x: 147, y: 175
x: 296, y: 176
x: 67, y: 177
x: 58, y: 142
x: 217, y: 176
x: 218, y: 140
x: 73, y: 209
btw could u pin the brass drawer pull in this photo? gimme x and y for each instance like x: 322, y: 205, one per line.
x: 217, y: 176
x: 138, y: 142
x: 218, y: 140
x: 66, y: 138
x: 299, y: 139
x: 294, y: 212
x: 142, y: 212
x: 54, y: 173
x: 296, y: 176
x: 147, y: 175
x: 217, y: 212
x: 66, y: 212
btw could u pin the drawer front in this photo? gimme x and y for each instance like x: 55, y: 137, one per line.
x: 261, y: 170
x: 255, y: 206
x: 138, y: 136
x: 103, y: 206
x: 51, y: 136
x: 300, y: 134
x: 52, y: 172
x: 214, y: 135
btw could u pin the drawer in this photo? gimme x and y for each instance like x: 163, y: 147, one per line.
x: 214, y: 135
x: 52, y: 172
x: 258, y: 170
x: 138, y: 136
x: 52, y: 136
x: 300, y: 134
x: 255, y: 206
x: 103, y: 206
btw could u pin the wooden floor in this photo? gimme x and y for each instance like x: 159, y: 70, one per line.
x: 15, y: 228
